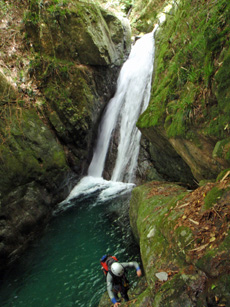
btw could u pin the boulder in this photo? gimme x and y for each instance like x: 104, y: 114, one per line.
x: 184, y: 242
x: 81, y: 31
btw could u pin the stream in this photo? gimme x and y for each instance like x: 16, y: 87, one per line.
x: 62, y: 268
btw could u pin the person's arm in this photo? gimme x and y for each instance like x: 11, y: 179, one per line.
x: 109, y: 281
x: 132, y: 264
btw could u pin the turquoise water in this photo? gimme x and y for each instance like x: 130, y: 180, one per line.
x: 62, y: 268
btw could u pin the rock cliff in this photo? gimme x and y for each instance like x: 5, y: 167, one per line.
x: 189, y: 106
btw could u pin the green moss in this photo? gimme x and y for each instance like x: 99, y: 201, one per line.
x: 222, y: 149
x: 153, y: 219
x: 142, y: 297
x: 68, y: 91
x: 221, y: 86
x: 171, y: 293
x: 204, y: 182
x: 212, y: 197
x: 192, y: 58
x: 221, y: 290
x: 29, y: 150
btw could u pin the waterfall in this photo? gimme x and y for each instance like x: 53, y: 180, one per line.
x: 122, y: 112
x: 130, y: 100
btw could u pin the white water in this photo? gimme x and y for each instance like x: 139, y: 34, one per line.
x: 130, y: 100
x: 137, y: 77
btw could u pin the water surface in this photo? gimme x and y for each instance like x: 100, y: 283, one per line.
x: 62, y: 268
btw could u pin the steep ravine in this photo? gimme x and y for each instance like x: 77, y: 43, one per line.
x: 59, y: 66
x: 59, y: 69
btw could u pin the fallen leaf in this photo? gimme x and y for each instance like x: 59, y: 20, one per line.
x: 199, y: 248
x: 195, y: 222
x: 184, y: 205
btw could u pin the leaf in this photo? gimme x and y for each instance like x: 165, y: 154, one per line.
x: 212, y: 239
x: 199, y: 248
x: 184, y: 205
x: 195, y: 222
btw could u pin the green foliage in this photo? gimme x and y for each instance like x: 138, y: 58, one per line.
x: 222, y: 149
x: 3, y: 7
x: 56, y: 9
x: 127, y: 4
x: 191, y: 83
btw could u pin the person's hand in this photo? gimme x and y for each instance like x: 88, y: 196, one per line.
x: 116, y: 304
x: 139, y: 273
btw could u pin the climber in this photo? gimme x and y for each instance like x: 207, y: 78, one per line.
x: 117, y: 281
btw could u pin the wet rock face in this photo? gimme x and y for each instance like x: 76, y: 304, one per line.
x: 200, y: 159
x: 182, y: 160
x: 166, y: 161
x: 24, y: 213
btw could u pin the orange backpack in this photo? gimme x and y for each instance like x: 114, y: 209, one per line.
x: 106, y: 262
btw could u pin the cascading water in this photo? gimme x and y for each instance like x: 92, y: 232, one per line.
x: 137, y: 77
x: 130, y: 100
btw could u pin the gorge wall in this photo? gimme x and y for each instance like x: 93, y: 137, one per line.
x: 57, y: 74
x: 184, y: 234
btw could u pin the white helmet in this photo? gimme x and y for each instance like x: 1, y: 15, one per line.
x: 117, y: 269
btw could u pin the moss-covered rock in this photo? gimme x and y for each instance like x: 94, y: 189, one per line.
x: 28, y: 150
x: 79, y: 31
x: 166, y: 160
x: 181, y: 237
x: 190, y: 100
